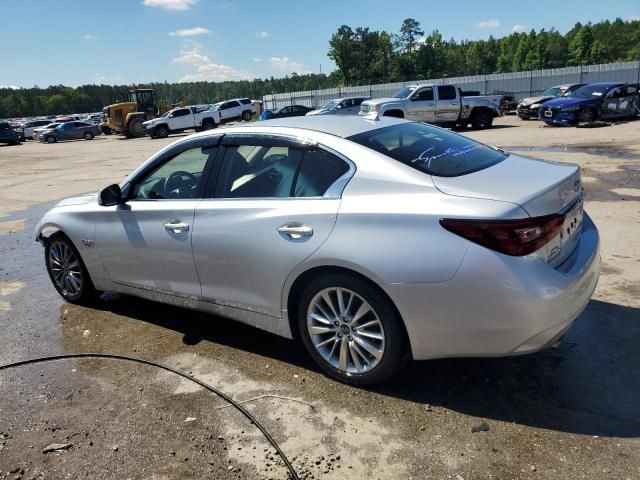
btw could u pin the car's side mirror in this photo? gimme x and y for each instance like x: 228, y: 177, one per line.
x: 110, y: 196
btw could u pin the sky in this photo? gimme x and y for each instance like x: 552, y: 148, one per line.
x: 77, y: 42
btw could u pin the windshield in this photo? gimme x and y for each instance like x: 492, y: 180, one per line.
x: 589, y: 91
x: 329, y: 105
x: 404, y: 93
x: 215, y: 106
x: 551, y: 92
x: 429, y: 149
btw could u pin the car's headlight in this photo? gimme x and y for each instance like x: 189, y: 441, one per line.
x: 373, y: 108
x: 522, y: 105
x: 536, y: 105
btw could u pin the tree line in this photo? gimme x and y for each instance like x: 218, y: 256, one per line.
x: 365, y: 56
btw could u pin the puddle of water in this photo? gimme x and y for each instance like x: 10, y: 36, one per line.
x: 601, y: 150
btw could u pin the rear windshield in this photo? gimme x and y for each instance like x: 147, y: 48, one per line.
x: 431, y: 150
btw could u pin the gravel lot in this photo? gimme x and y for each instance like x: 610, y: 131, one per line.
x: 571, y: 412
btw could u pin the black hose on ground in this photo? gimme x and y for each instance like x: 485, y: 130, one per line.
x: 240, y: 408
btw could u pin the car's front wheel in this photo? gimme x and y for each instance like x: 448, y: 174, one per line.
x: 88, y: 136
x: 67, y: 270
x: 350, y: 329
x: 51, y: 139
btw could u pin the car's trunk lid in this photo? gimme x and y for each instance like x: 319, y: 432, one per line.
x: 540, y: 187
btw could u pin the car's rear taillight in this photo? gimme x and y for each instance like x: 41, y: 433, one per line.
x: 511, y: 237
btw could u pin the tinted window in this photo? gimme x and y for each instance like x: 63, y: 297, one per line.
x: 178, y: 178
x: 181, y: 113
x: 424, y: 95
x: 253, y: 171
x: 446, y: 92
x: 358, y: 101
x: 246, y: 101
x: 318, y: 172
x: 431, y: 150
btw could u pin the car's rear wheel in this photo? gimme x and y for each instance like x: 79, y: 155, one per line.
x: 67, y: 270
x: 586, y: 115
x: 350, y: 329
x: 481, y: 119
x: 208, y: 125
x: 88, y: 136
x: 246, y: 115
x: 51, y: 139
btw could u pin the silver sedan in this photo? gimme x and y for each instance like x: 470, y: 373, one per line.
x: 370, y: 240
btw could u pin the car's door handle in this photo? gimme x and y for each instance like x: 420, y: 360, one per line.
x: 295, y: 230
x: 176, y: 226
x: 454, y: 103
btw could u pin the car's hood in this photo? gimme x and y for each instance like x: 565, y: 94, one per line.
x: 539, y: 186
x: 151, y: 122
x: 532, y: 100
x: 567, y: 102
x: 79, y: 200
x: 380, y: 101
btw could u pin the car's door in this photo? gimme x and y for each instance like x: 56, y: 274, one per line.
x: 146, y: 243
x: 275, y: 203
x: 226, y: 111
x: 448, y: 104
x: 611, y: 102
x: 285, y: 112
x: 627, y: 105
x: 65, y: 131
x: 181, y: 119
x: 422, y: 105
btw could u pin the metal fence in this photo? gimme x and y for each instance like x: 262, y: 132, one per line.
x: 519, y: 84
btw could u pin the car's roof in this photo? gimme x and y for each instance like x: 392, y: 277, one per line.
x: 341, y: 126
x: 605, y: 84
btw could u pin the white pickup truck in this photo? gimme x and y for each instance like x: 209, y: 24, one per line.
x: 179, y: 119
x: 439, y: 104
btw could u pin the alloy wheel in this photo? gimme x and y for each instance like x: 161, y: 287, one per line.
x: 345, y: 330
x: 65, y: 269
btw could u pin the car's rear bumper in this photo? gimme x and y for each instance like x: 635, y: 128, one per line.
x: 497, y: 305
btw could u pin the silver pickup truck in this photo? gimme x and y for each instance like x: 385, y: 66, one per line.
x: 440, y: 104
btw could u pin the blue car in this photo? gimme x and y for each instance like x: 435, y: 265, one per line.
x: 605, y: 101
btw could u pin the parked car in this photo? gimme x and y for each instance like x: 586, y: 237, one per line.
x: 37, y: 131
x: 370, y: 241
x: 529, y: 108
x: 441, y: 104
x: 288, y: 111
x: 340, y: 106
x: 70, y: 131
x: 181, y: 119
x: 598, y: 101
x: 508, y: 104
x: 235, y: 109
x: 8, y: 135
x: 26, y: 129
x: 606, y: 101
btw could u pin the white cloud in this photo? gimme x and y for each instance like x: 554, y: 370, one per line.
x: 12, y: 87
x: 633, y: 18
x: 189, y: 32
x: 518, y: 28
x: 170, y: 4
x: 258, y: 59
x: 287, y: 65
x: 107, y: 79
x: 263, y: 34
x: 90, y: 37
x: 488, y: 24
x: 193, y: 53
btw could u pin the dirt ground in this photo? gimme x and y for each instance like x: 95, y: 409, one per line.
x: 571, y: 412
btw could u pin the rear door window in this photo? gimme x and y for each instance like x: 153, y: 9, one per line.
x: 446, y: 92
x: 320, y: 169
x: 431, y: 150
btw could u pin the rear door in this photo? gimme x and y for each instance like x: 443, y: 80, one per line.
x: 448, y: 104
x: 273, y: 207
x: 181, y: 119
x: 422, y: 105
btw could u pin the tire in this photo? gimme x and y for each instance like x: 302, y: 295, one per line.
x: 50, y: 139
x: 135, y: 128
x: 481, y: 119
x: 355, y: 364
x: 88, y: 136
x: 587, y: 115
x: 246, y: 115
x: 161, y: 132
x: 208, y: 125
x: 67, y: 271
